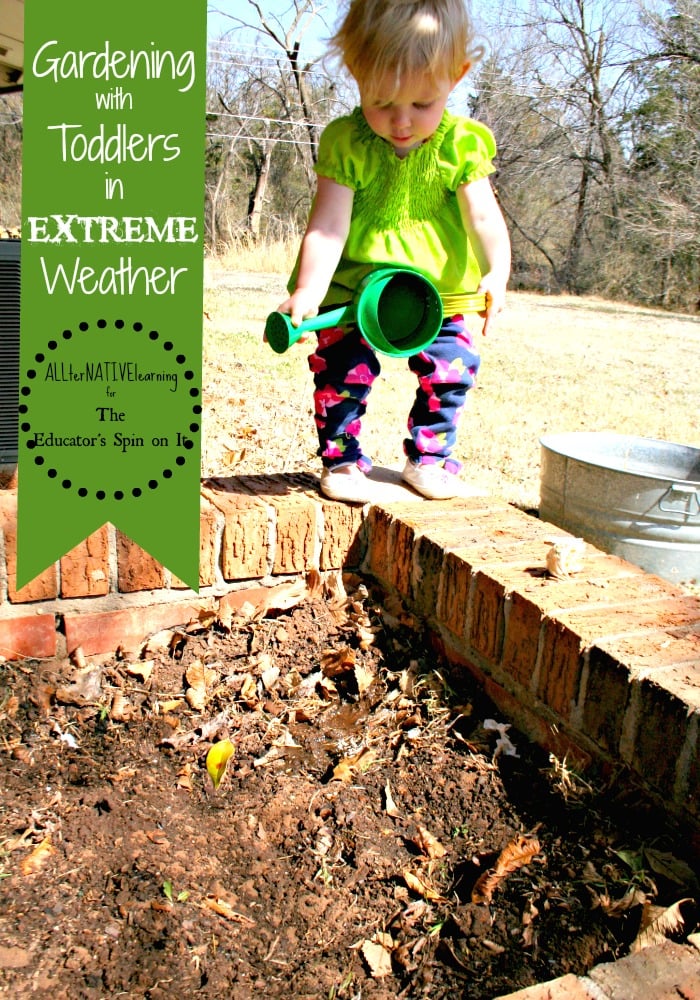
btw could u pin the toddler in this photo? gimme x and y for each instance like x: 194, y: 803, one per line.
x: 401, y: 182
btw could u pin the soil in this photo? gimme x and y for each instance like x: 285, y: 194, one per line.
x: 373, y: 835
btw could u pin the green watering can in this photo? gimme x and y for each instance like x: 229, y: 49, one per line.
x: 397, y: 311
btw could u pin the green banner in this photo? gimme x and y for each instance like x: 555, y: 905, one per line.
x: 111, y: 299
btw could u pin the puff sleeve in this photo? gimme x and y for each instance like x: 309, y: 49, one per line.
x: 467, y: 152
x: 337, y: 153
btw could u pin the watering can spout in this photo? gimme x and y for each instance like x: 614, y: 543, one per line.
x: 398, y: 311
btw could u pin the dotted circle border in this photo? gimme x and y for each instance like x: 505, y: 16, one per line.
x: 52, y: 473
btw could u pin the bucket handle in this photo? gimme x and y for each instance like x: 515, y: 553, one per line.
x: 681, y: 493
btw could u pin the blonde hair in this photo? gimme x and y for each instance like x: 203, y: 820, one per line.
x: 404, y: 37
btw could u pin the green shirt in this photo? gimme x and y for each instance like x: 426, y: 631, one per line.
x: 405, y: 210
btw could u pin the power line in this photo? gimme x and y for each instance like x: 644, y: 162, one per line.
x: 269, y: 121
x: 259, y: 138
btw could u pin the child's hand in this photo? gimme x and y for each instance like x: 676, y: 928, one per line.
x: 494, y: 289
x: 299, y: 306
x: 297, y: 309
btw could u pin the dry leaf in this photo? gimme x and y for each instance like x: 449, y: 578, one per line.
x: 270, y: 676
x: 177, y: 643
x: 345, y: 770
x: 159, y: 642
x: 503, y: 743
x: 169, y: 706
x: 285, y: 739
x: 665, y: 924
x: 223, y: 908
x: 249, y: 689
x: 418, y: 883
x: 326, y: 687
x: 389, y: 804
x: 336, y: 662
x: 378, y: 955
x: 529, y: 935
x: 184, y: 778
x: 142, y: 670
x: 428, y: 844
x: 365, y: 678
x: 619, y: 907
x: 38, y: 858
x: 515, y: 855
x: 85, y: 689
x: 200, y: 679
x: 282, y: 598
x: 204, y: 620
x: 121, y: 709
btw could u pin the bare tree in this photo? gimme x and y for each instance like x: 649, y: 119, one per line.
x: 10, y: 159
x: 293, y: 88
x: 568, y: 62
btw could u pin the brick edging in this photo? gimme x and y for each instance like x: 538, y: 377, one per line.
x: 601, y: 666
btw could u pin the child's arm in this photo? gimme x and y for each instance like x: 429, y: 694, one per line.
x: 487, y: 232
x: 321, y: 247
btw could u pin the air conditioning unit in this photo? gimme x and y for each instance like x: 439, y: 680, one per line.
x: 9, y: 349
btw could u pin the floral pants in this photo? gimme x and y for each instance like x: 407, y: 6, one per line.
x: 344, y: 368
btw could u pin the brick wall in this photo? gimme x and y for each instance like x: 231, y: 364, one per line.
x: 602, y: 666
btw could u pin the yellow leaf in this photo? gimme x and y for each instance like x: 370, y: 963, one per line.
x: 218, y: 758
x: 38, y: 858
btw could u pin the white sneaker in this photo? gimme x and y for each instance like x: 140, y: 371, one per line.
x: 431, y: 481
x: 347, y: 482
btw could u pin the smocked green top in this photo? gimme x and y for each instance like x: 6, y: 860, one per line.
x: 405, y: 210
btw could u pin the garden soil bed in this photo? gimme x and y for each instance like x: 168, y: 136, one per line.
x: 373, y: 835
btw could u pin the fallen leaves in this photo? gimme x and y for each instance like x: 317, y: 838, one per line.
x: 390, y: 807
x: 376, y: 952
x: 428, y: 844
x: 383, y: 814
x: 419, y: 882
x: 660, y: 924
x: 38, y: 857
x: 224, y: 909
x: 200, y: 679
x: 518, y: 853
x: 347, y: 768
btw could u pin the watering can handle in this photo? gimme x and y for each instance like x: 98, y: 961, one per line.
x: 280, y: 334
x: 333, y: 317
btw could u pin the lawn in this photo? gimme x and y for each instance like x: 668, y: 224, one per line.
x: 553, y: 364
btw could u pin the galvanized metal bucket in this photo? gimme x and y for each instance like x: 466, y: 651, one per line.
x: 634, y: 497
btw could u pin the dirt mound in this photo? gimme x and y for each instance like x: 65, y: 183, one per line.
x: 376, y: 833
